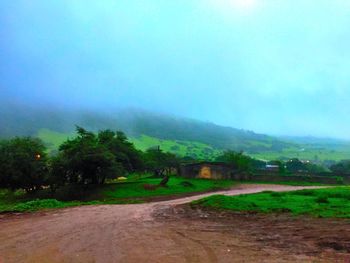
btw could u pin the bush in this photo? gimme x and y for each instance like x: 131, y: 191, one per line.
x: 340, y: 180
x: 322, y: 200
x: 307, y: 192
x: 277, y: 194
x: 39, y: 204
x: 186, y: 184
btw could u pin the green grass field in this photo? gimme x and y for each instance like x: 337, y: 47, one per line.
x: 115, y: 193
x: 181, y: 148
x: 328, y: 202
x: 204, y: 151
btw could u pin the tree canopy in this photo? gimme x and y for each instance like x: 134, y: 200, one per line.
x: 23, y: 164
x: 237, y: 159
x: 91, y: 158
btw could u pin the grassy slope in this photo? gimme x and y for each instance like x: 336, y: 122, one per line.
x: 203, y: 151
x: 182, y: 148
x: 330, y: 202
x: 123, y: 192
x: 53, y: 139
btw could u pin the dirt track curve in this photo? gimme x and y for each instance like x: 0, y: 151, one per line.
x: 131, y: 233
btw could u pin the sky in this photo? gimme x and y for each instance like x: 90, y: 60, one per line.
x: 280, y: 67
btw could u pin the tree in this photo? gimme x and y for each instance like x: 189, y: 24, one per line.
x: 124, y: 151
x: 159, y: 162
x: 85, y: 160
x: 295, y: 165
x: 237, y: 159
x: 341, y: 167
x: 315, y: 168
x: 23, y: 164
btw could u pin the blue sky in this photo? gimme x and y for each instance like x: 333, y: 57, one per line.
x: 272, y: 66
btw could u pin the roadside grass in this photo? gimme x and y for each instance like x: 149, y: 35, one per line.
x: 175, y: 187
x: 325, y: 203
x: 291, y: 183
x: 126, y: 192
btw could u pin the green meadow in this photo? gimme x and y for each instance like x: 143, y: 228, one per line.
x: 204, y: 151
x: 326, y: 203
x: 182, y: 148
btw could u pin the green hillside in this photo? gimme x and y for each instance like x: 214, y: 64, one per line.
x: 53, y: 139
x: 183, y: 136
x: 182, y: 148
x: 204, y: 151
x: 22, y: 121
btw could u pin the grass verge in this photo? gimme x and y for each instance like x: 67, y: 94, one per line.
x: 327, y: 203
x: 292, y: 183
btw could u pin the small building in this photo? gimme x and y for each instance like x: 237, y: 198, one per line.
x: 210, y: 170
x: 272, y: 167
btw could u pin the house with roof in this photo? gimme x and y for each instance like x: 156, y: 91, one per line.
x: 211, y: 170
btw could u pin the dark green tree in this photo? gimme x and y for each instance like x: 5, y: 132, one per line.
x: 23, y: 164
x: 295, y: 165
x: 237, y: 159
x: 160, y: 163
x: 84, y: 160
x: 341, y: 167
x: 124, y: 151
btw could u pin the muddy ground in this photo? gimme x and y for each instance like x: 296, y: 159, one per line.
x: 171, y: 231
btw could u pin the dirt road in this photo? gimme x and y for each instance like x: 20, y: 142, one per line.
x: 131, y: 233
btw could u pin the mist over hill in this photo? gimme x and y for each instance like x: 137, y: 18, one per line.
x: 183, y: 136
x: 19, y: 120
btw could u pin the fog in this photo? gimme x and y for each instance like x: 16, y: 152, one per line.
x: 277, y: 67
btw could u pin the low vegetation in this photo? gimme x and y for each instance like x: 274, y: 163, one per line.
x: 132, y: 190
x: 291, y: 183
x: 106, y: 167
x: 327, y: 202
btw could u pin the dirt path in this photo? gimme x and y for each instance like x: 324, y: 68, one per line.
x: 130, y: 233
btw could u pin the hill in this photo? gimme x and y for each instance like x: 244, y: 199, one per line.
x: 182, y: 136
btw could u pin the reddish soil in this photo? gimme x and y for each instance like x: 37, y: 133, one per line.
x: 171, y: 231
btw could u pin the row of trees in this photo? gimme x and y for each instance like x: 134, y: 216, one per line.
x: 239, y: 160
x: 91, y: 158
x: 245, y: 163
x: 88, y: 158
x: 341, y: 167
